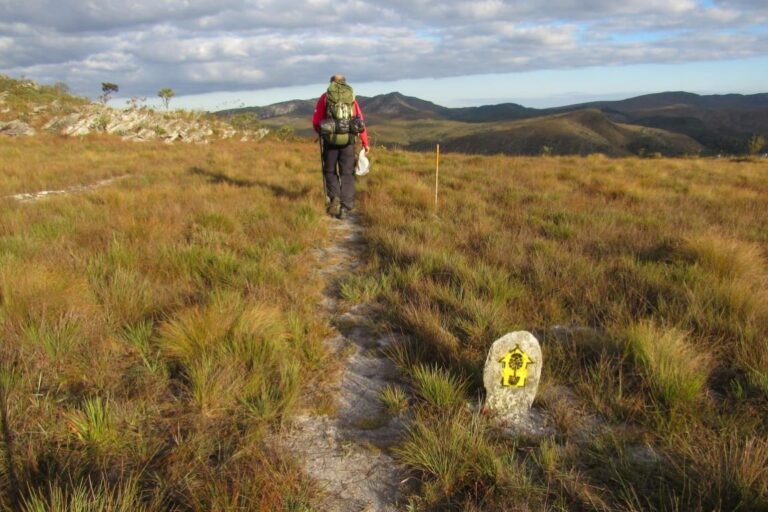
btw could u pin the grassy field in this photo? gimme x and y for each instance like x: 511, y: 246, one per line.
x: 647, y: 283
x: 158, y: 333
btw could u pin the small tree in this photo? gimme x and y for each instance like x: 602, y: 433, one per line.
x: 286, y: 133
x: 166, y: 93
x: 245, y: 121
x: 756, y: 144
x: 107, y: 89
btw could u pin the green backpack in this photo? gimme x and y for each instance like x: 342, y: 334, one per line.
x: 339, y: 113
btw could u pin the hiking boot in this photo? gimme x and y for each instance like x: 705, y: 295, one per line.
x: 343, y: 213
x: 334, y: 207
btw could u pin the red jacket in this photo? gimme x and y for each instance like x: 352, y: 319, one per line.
x: 319, y: 116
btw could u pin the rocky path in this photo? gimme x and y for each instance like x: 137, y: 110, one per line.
x: 347, y: 452
x: 34, y: 196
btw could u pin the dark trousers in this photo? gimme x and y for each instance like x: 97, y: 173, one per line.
x: 339, y: 173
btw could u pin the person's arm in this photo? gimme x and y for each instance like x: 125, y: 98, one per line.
x: 319, y: 114
x: 364, y: 134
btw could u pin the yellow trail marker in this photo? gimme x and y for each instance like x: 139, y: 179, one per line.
x: 514, y: 368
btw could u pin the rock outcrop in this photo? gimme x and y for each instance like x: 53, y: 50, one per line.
x: 144, y: 124
x: 16, y: 128
x: 27, y: 108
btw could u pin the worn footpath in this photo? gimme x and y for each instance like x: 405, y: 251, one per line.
x: 346, y: 452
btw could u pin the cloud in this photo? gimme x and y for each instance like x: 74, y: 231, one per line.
x: 201, y: 45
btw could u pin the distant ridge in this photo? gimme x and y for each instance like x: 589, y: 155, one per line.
x: 677, y: 98
x: 679, y: 122
x: 399, y: 105
x: 580, y: 132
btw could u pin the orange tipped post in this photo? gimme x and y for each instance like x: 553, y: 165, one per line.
x: 437, y: 173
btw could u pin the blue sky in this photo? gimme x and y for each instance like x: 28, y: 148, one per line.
x: 540, y: 89
x: 227, y: 53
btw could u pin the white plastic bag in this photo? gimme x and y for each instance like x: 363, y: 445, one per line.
x: 363, y: 165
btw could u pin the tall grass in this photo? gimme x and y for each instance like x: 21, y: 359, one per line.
x: 459, y: 465
x: 438, y: 387
x: 85, y: 497
x: 644, y: 280
x: 157, y: 328
x: 170, y: 319
x: 675, y: 371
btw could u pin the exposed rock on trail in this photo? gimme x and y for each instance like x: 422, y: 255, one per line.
x: 347, y: 453
x: 27, y: 197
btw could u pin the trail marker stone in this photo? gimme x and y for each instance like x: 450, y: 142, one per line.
x: 511, y: 376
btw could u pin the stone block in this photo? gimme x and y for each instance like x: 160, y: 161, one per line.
x: 511, y: 376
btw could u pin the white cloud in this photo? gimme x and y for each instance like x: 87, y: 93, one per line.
x: 204, y: 45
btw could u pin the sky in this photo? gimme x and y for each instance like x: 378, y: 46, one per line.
x: 218, y: 54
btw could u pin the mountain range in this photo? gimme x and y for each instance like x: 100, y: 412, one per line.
x: 669, y: 123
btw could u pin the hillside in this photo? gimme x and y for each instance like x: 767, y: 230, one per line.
x: 720, y: 123
x: 675, y: 123
x: 582, y: 132
x: 27, y: 108
x: 392, y: 105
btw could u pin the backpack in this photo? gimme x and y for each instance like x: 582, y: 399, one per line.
x: 340, y: 123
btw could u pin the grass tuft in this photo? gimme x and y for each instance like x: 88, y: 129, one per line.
x: 394, y: 399
x: 85, y: 497
x: 674, y: 370
x: 457, y: 462
x: 93, y: 424
x: 438, y: 387
x: 727, y: 471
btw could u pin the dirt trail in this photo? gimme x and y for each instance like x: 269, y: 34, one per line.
x: 347, y: 453
x: 34, y: 196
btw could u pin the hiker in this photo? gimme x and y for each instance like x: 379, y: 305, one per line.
x: 338, y: 121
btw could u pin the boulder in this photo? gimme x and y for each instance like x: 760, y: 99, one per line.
x: 61, y: 123
x: 511, y: 376
x: 79, y: 128
x: 16, y: 128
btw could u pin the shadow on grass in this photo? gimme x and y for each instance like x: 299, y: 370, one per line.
x: 219, y: 177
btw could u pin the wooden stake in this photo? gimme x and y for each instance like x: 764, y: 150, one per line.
x: 437, y: 174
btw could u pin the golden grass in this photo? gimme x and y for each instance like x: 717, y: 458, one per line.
x: 170, y: 319
x: 394, y: 399
x: 159, y: 327
x: 459, y: 465
x: 659, y: 264
x: 675, y: 371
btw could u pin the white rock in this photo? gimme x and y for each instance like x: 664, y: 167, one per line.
x: 147, y: 134
x: 82, y: 127
x: 61, y: 123
x: 511, y: 376
x: 16, y: 128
